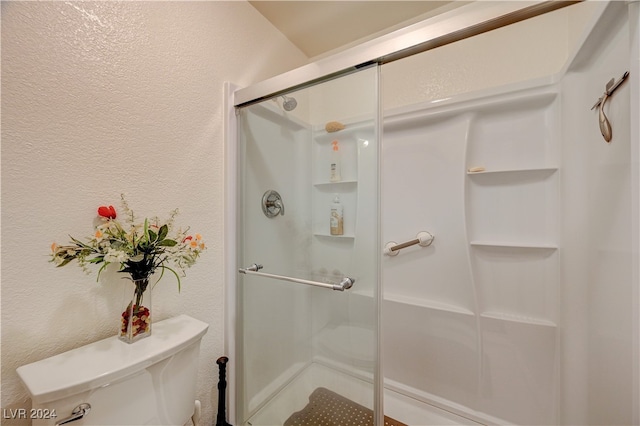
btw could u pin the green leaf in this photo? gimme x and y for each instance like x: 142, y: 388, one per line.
x: 65, y: 262
x: 146, y: 229
x: 100, y: 270
x: 162, y: 234
x: 167, y: 243
x: 79, y: 243
x: 117, y: 245
x: 174, y: 273
x: 159, y: 278
x: 152, y: 236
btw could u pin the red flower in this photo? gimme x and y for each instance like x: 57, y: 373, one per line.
x: 187, y: 239
x: 108, y: 212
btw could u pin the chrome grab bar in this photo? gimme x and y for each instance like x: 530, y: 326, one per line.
x: 424, y: 239
x: 344, y: 284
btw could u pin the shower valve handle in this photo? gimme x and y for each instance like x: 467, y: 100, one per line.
x: 272, y: 204
x: 276, y: 206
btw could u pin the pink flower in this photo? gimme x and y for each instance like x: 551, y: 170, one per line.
x: 108, y: 212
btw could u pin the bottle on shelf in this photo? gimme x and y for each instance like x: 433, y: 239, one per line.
x: 334, y: 175
x: 336, y: 221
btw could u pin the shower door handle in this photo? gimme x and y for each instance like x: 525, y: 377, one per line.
x: 344, y: 284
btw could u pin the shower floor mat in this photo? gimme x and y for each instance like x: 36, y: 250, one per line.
x: 327, y: 408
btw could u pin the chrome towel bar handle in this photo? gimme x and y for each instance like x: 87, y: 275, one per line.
x: 253, y: 268
x: 344, y: 284
x: 423, y: 239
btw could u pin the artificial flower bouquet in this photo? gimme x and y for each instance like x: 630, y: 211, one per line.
x: 140, y: 249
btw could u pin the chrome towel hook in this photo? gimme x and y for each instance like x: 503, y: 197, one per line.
x: 603, y: 121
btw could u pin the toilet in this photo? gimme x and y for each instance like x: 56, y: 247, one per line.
x: 110, y: 382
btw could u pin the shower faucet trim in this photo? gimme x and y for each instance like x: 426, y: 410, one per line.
x: 272, y: 204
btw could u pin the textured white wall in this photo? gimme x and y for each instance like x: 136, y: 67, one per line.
x: 105, y: 98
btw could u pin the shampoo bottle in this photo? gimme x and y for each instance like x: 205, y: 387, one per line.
x: 334, y: 175
x: 336, y: 221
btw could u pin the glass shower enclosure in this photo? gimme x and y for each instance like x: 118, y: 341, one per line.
x: 308, y: 278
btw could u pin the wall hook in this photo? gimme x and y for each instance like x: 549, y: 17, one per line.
x: 603, y: 121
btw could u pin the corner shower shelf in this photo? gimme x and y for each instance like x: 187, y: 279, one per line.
x: 342, y: 182
x: 425, y: 303
x: 352, y: 130
x: 328, y: 235
x: 347, y: 188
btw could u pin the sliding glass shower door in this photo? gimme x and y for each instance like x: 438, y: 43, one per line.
x: 307, y: 286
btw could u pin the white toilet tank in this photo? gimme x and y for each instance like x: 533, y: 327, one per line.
x: 149, y: 382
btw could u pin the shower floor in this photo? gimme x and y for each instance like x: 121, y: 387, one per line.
x: 294, y: 397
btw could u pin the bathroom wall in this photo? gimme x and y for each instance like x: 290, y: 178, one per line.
x: 535, y: 48
x: 105, y: 98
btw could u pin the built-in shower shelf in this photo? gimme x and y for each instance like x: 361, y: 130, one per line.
x: 330, y: 184
x: 518, y: 318
x: 425, y: 303
x: 328, y: 235
x: 359, y: 130
x: 485, y: 243
x: 542, y: 171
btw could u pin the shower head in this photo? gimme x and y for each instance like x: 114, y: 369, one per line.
x: 289, y: 104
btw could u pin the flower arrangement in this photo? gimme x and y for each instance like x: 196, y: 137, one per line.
x: 140, y: 249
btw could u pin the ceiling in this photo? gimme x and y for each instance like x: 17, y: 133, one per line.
x: 320, y: 27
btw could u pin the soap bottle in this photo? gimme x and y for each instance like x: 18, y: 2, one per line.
x: 334, y: 175
x: 336, y: 221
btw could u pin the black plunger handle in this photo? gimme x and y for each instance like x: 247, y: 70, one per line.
x: 222, y: 388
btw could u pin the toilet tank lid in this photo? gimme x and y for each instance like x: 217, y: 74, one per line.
x: 108, y: 360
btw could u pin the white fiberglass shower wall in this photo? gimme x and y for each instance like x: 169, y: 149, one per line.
x: 524, y: 310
